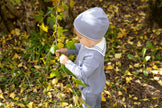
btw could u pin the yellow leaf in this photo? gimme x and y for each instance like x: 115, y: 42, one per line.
x: 130, y: 96
x: 72, y: 3
x: 135, y: 98
x: 60, y: 45
x: 15, y: 56
x: 130, y: 66
x: 123, y: 99
x: 12, y: 95
x: 63, y: 104
x: 54, y: 2
x: 30, y: 105
x: 16, y: 98
x: 155, y: 67
x: 128, y: 79
x: 112, y: 26
x: 49, y: 94
x: 44, y: 28
x: 154, y: 98
x: 109, y: 67
x: 136, y: 65
x: 139, y: 44
x: 115, y: 104
x: 160, y: 82
x: 103, y: 98
x: 21, y: 105
x: 137, y: 103
x: 17, y: 31
x: 117, y: 69
x: 75, y: 99
x: 123, y: 31
x: 1, y: 94
x: 20, y: 65
x: 146, y: 99
x: 128, y: 72
x: 120, y: 93
x: 127, y: 16
x: 118, y: 55
x: 37, y: 67
x: 55, y: 81
x: 13, y: 32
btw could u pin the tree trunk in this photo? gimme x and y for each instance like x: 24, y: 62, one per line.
x: 29, y: 15
x: 8, y: 14
x: 154, y: 14
x: 67, y: 21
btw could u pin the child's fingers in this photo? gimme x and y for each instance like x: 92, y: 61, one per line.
x: 58, y: 51
x: 57, y: 54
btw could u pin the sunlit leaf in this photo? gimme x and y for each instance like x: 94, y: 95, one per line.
x: 21, y: 105
x: 109, y: 67
x: 64, y: 6
x: 12, y: 95
x: 54, y: 73
x: 60, y: 45
x: 128, y: 79
x: 115, y: 104
x: 147, y: 58
x: 75, y: 99
x: 63, y: 104
x: 145, y: 72
x: 55, y: 81
x: 43, y: 27
x: 30, y: 105
x: 103, y: 98
x: 118, y: 55
x: 143, y: 52
x: 78, y: 82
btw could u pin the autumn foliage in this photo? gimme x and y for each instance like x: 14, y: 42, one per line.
x: 31, y: 75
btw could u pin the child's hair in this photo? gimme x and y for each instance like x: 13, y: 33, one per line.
x: 92, y: 23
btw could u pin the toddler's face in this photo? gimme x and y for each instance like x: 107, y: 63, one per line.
x: 83, y: 40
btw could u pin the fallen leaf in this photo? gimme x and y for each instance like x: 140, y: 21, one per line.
x: 118, y: 55
x: 103, y: 98
x: 30, y: 105
x: 21, y: 105
x: 63, y: 104
x: 115, y: 104
x: 12, y: 95
x: 128, y: 79
x: 109, y: 67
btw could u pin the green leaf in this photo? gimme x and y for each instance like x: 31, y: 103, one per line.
x: 70, y: 44
x: 53, y: 49
x: 64, y: 6
x: 78, y: 82
x: 54, y: 73
x: 143, y: 52
x: 145, y: 72
x: 149, y: 45
x: 137, y: 72
x: 67, y: 71
x: 147, y: 58
x: 158, y: 57
x: 130, y: 56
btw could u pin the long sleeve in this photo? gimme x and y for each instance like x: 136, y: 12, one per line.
x: 89, y: 65
x: 74, y: 51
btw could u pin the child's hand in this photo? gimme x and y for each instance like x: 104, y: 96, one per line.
x: 63, y: 59
x: 61, y: 50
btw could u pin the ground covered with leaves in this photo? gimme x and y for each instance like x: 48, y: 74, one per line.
x: 30, y: 76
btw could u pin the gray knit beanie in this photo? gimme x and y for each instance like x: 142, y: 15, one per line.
x: 92, y: 23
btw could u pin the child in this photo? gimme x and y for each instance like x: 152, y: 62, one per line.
x: 90, y: 28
